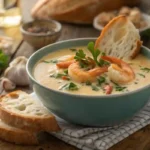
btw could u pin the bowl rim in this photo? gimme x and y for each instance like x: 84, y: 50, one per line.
x: 58, y: 26
x: 71, y: 94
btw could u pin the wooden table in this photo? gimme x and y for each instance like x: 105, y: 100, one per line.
x: 137, y: 141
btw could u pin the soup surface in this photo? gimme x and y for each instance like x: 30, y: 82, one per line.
x: 47, y: 73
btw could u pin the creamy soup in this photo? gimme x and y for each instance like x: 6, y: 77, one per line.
x: 47, y: 73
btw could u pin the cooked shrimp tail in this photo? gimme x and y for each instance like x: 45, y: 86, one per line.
x: 119, y: 71
x: 80, y: 75
x: 65, y: 64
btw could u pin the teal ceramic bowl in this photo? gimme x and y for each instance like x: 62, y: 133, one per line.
x: 87, y: 110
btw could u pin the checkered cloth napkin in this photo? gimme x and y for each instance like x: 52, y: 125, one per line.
x: 101, y: 138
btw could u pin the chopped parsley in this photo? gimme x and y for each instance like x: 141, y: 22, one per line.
x: 51, y: 61
x: 101, y: 80
x: 70, y: 87
x: 57, y: 75
x: 64, y: 76
x: 60, y: 75
x: 119, y: 88
x: 66, y: 71
x: 95, y: 88
x: 142, y: 75
x: 145, y: 69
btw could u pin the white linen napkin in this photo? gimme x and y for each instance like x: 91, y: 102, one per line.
x: 87, y: 138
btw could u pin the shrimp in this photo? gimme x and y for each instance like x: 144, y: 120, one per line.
x: 80, y: 75
x: 66, y: 63
x: 119, y: 71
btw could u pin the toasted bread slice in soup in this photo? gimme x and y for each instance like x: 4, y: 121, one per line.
x: 119, y: 38
x: 20, y: 110
x: 16, y: 135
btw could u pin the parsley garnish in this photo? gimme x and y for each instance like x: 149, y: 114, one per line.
x: 119, y: 88
x: 80, y: 55
x: 95, y: 88
x: 66, y: 71
x: 70, y: 87
x: 145, y: 69
x: 141, y: 75
x: 51, y: 61
x: 3, y: 60
x: 95, y: 52
x: 95, y: 60
x: 83, y: 60
x: 101, y: 80
x: 59, y: 75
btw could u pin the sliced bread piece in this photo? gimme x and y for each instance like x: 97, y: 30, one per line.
x: 16, y: 135
x: 119, y: 38
x: 20, y: 110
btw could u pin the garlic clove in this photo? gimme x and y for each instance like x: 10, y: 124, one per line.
x: 6, y: 84
x: 19, y: 60
x: 16, y: 72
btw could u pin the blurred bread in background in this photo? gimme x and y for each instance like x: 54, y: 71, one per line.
x: 134, y: 14
x: 75, y: 11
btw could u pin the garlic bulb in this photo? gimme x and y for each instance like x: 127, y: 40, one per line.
x: 16, y: 72
x: 6, y: 84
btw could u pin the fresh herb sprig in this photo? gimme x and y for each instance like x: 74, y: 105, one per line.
x: 4, y: 59
x: 80, y: 55
x: 95, y: 52
x: 84, y: 61
x: 96, y: 56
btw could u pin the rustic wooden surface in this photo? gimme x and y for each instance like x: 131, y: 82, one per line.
x: 137, y: 141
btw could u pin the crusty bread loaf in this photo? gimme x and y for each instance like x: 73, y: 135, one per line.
x: 119, y: 38
x: 74, y: 11
x: 20, y: 110
x: 16, y: 135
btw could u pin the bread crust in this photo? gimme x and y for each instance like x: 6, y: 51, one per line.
x: 123, y: 20
x: 17, y: 136
x: 72, y: 11
x: 137, y: 49
x: 68, y: 14
x: 29, y: 123
x: 107, y: 27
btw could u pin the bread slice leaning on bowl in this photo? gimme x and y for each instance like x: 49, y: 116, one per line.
x: 15, y: 135
x: 119, y: 38
x: 20, y: 110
